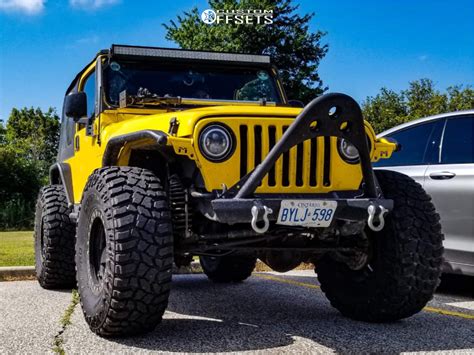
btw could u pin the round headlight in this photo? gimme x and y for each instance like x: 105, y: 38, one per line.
x: 348, y: 151
x: 215, y: 142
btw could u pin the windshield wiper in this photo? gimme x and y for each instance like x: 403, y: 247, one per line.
x: 145, y: 98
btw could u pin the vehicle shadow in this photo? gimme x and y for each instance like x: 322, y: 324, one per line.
x: 459, y: 285
x: 266, y: 314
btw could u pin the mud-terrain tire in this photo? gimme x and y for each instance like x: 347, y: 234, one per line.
x: 124, y: 251
x: 405, y: 266
x: 230, y: 268
x: 54, y: 239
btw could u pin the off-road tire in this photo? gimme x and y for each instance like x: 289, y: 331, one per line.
x: 54, y: 239
x: 126, y: 291
x: 230, y: 268
x: 405, y: 266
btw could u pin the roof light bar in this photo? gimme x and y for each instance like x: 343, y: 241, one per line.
x: 186, y: 54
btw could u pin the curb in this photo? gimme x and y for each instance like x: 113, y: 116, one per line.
x: 17, y: 273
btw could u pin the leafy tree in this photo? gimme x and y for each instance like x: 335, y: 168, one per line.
x: 36, y: 134
x: 19, y: 184
x: 19, y: 178
x: 28, y: 146
x: 422, y: 99
x: 386, y: 109
x: 459, y: 98
x: 3, y: 132
x: 294, y: 49
x: 389, y: 108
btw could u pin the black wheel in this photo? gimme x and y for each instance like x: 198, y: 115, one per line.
x: 405, y: 266
x: 124, y: 251
x: 54, y: 239
x: 230, y: 268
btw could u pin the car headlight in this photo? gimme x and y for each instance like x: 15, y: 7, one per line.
x: 348, y: 151
x: 216, y: 143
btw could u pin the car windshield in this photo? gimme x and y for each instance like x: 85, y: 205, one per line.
x: 197, y: 81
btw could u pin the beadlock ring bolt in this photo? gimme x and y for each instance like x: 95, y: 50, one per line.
x: 266, y: 223
x: 370, y: 221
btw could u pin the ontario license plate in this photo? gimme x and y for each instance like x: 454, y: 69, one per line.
x: 306, y: 213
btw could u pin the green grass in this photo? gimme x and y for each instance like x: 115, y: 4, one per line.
x: 16, y: 249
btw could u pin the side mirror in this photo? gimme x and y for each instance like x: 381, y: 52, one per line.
x: 75, y: 105
x: 296, y: 103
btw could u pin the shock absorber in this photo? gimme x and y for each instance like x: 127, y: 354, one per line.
x: 181, y: 210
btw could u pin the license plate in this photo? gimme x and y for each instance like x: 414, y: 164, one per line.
x: 306, y: 213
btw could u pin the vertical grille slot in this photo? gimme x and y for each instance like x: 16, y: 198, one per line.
x: 286, y: 165
x: 271, y: 143
x: 313, y: 181
x: 258, y: 145
x: 327, y: 161
x: 243, y: 151
x: 299, y: 164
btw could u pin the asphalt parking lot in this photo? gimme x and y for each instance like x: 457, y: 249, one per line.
x: 268, y: 313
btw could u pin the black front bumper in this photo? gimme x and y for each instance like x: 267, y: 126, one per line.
x: 235, y: 210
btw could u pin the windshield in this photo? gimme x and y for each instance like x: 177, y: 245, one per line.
x: 197, y: 81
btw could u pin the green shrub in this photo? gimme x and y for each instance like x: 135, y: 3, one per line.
x: 16, y: 214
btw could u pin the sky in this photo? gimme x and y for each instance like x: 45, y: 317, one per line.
x: 372, y: 44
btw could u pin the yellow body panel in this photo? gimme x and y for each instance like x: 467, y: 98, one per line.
x: 89, y: 150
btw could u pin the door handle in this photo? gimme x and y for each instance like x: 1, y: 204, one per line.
x: 442, y: 175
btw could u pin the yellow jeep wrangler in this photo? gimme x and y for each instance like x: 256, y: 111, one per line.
x: 168, y: 154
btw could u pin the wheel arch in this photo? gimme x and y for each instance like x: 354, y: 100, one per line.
x: 60, y: 174
x: 115, y: 144
x: 154, y: 150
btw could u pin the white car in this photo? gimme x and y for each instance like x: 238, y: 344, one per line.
x: 438, y: 152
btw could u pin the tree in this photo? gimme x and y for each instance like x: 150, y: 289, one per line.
x: 28, y: 146
x: 294, y: 49
x: 422, y: 99
x: 3, y: 132
x: 459, y: 98
x: 388, y: 108
x: 36, y: 134
x: 19, y: 178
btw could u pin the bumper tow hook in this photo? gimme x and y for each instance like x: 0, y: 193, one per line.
x: 370, y: 221
x: 256, y: 210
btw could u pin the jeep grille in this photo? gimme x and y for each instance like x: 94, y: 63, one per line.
x: 297, y: 167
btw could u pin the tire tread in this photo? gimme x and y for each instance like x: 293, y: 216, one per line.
x: 57, y: 269
x: 143, y: 250
x: 409, y: 259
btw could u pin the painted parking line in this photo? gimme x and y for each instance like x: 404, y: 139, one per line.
x: 466, y: 305
x: 440, y: 311
x: 445, y: 312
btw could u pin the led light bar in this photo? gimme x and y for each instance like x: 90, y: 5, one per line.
x: 186, y: 54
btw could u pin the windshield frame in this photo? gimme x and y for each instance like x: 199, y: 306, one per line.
x: 191, y: 101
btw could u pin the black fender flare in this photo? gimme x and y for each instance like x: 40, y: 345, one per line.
x: 60, y: 174
x: 116, y: 143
